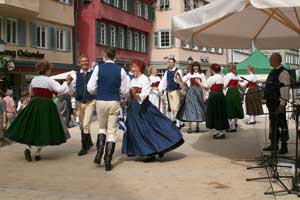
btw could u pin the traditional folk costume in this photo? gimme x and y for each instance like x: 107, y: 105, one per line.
x: 276, y: 96
x: 86, y: 105
x: 107, y: 82
x: 154, y: 96
x: 39, y: 123
x: 253, y: 99
x: 149, y: 132
x: 170, y: 83
x: 233, y: 98
x: 194, y: 108
x: 216, y: 117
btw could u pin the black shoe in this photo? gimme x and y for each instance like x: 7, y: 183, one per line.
x: 283, y: 149
x: 251, y: 123
x: 38, y: 158
x: 189, y: 131
x: 270, y: 148
x: 150, y: 159
x: 231, y: 130
x: 89, y: 141
x: 161, y: 155
x: 100, y: 148
x: 109, y: 152
x: 27, y: 155
x: 84, y: 145
x: 197, y: 130
x: 219, y: 136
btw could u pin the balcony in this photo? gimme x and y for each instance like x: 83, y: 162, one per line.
x: 20, y: 7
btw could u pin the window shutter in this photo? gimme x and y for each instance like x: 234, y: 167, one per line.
x: 117, y: 42
x: 51, y: 38
x: 130, y: 6
x: 147, y: 43
x: 156, y: 39
x: 133, y: 40
x: 173, y: 41
x: 22, y: 32
x: 140, y: 39
x: 151, y: 13
x: 33, y: 35
x: 108, y: 39
x: 121, y: 4
x: 143, y: 9
x: 68, y: 40
x: 98, y: 32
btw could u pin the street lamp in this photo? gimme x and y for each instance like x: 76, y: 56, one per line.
x: 190, y: 60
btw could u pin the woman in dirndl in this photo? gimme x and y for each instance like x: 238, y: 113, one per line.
x: 39, y: 123
x: 154, y: 96
x: 193, y: 108
x: 233, y: 97
x: 216, y: 117
x: 253, y: 97
x: 149, y: 132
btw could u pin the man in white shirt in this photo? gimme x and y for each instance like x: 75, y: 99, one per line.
x: 108, y: 82
x: 171, y: 82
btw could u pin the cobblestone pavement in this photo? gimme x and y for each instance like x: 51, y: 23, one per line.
x: 200, y: 169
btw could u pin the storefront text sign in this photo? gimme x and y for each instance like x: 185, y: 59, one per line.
x: 23, y: 53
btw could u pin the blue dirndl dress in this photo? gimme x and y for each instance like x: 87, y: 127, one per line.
x: 149, y: 132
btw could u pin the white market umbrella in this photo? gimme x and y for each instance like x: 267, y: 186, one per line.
x: 269, y: 24
x: 63, y: 76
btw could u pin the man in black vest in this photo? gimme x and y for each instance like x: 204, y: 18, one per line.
x: 171, y: 82
x: 276, y: 96
x: 109, y: 81
x: 86, y: 103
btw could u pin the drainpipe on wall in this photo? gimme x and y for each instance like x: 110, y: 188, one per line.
x: 75, y: 32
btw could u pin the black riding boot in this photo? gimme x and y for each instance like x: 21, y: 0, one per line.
x: 109, y: 152
x: 84, y: 143
x: 284, y: 148
x: 100, y: 148
x: 89, y: 141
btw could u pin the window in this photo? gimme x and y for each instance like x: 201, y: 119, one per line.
x: 113, y: 35
x: 136, y: 41
x: 143, y: 42
x: 125, y: 5
x: 212, y: 50
x: 139, y: 8
x: 204, y: 49
x: 129, y: 40
x: 116, y: 3
x: 103, y: 31
x: 66, y: 1
x: 41, y: 36
x: 11, y: 31
x: 122, y: 38
x: 60, y: 39
x: 164, y: 4
x: 146, y: 11
x: 220, y: 51
x: 187, y: 5
x: 197, y: 3
x: 165, y: 39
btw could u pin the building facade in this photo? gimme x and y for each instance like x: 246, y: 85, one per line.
x: 34, y: 31
x: 126, y: 25
x: 166, y: 45
x: 290, y: 57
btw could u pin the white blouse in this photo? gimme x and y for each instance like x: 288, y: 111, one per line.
x: 144, y: 83
x: 189, y: 76
x: 214, y: 79
x: 49, y: 83
x: 154, y: 79
x: 251, y: 77
x: 230, y: 76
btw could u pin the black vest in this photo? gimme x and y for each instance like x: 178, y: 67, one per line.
x: 81, y: 87
x: 272, y: 88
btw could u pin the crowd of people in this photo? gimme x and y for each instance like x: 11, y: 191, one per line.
x: 150, y: 132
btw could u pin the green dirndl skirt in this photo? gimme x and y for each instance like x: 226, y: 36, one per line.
x: 234, y: 104
x: 38, y: 124
x: 216, y: 117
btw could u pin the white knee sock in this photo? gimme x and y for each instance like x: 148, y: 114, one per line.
x: 197, y: 124
x: 38, y: 151
x: 190, y: 125
x: 252, y: 118
x: 232, y: 124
